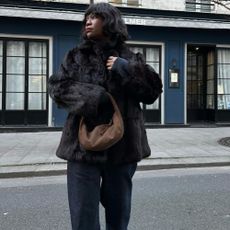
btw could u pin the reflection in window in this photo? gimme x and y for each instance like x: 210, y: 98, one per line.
x: 223, y: 82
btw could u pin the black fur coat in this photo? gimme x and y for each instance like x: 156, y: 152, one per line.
x: 80, y: 87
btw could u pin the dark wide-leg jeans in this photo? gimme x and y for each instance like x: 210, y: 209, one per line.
x: 90, y: 184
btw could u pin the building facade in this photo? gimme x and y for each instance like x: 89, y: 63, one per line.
x: 187, y: 42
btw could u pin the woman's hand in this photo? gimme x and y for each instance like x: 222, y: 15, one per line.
x: 110, y: 62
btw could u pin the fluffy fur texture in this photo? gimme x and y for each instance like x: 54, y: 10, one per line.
x: 80, y: 85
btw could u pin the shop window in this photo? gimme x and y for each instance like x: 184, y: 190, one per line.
x: 199, y: 5
x: 223, y: 81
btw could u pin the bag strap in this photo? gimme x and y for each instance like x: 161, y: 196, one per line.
x: 113, y: 102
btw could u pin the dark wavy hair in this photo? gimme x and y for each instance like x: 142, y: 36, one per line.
x: 113, y: 25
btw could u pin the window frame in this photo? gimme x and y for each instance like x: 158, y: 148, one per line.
x: 152, y: 115
x: 30, y: 115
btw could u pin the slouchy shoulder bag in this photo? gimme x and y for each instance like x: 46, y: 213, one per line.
x: 102, y: 136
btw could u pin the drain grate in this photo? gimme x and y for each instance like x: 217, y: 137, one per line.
x: 224, y: 141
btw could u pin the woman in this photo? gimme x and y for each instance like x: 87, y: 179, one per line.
x: 103, y: 63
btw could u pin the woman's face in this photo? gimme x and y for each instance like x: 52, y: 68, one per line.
x: 94, y: 27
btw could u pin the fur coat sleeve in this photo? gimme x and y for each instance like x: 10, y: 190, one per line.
x: 69, y: 93
x: 139, y: 79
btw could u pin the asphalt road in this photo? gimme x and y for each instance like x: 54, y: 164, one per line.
x: 175, y: 199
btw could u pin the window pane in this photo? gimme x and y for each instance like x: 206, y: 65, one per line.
x: 37, y: 101
x: 37, y: 66
x: 37, y: 83
x: 14, y: 101
x: 211, y: 58
x: 223, y: 56
x: 15, y: 48
x: 1, y: 49
x: 0, y: 83
x: 194, y: 87
x: 223, y: 102
x: 15, y: 83
x: 223, y: 86
x: 205, y: 5
x: 0, y: 101
x: 210, y: 101
x: 0, y: 65
x: 154, y: 65
x: 210, y: 87
x: 37, y: 49
x: 200, y: 87
x: 115, y: 1
x: 16, y: 65
x: 152, y: 54
x: 210, y: 74
x: 223, y: 71
x: 133, y: 2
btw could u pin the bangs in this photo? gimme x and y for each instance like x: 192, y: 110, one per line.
x: 98, y: 10
x: 113, y: 25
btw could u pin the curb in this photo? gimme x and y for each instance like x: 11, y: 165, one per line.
x: 57, y: 169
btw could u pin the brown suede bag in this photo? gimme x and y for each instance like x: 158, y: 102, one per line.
x: 102, y: 136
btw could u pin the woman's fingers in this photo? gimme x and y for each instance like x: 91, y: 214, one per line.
x: 110, y: 62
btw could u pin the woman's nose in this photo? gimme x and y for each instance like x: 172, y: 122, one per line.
x: 88, y: 22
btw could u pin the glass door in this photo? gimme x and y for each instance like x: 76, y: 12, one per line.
x: 200, y: 83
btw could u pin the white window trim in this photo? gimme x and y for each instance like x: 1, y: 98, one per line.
x: 50, y: 39
x: 162, y: 70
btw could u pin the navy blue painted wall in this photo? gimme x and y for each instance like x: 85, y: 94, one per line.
x: 174, y: 40
x: 66, y: 35
x: 174, y: 97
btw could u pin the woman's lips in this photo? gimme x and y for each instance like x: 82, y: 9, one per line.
x: 88, y: 30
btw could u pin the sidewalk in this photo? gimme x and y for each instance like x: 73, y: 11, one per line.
x: 33, y: 154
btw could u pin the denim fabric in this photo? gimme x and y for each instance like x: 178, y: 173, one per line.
x: 90, y: 184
